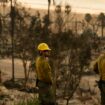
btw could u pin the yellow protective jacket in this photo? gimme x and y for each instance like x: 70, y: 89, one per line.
x: 101, y: 66
x: 43, y: 69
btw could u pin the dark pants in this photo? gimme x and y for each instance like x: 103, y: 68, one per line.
x: 103, y: 94
x: 46, y: 95
x: 102, y: 90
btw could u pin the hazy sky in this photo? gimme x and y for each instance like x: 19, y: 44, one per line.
x: 91, y: 6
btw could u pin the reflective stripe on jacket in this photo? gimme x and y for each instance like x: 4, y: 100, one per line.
x: 43, y: 69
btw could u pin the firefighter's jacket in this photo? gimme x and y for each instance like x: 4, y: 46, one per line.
x: 43, y: 69
x: 100, y: 63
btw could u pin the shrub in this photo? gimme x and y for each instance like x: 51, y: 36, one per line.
x: 34, y: 101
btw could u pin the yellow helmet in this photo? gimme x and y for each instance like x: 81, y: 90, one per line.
x: 43, y: 46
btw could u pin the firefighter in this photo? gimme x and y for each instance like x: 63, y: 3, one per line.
x: 99, y: 68
x: 44, y: 75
